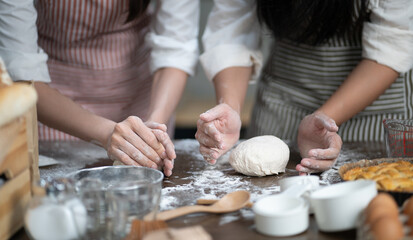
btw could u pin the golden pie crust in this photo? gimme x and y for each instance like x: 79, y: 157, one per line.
x: 389, y: 175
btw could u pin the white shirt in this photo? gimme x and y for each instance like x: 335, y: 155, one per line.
x: 174, y: 35
x: 173, y: 38
x: 23, y: 58
x: 232, y: 36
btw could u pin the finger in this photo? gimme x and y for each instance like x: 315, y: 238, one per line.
x: 211, y: 161
x: 118, y: 143
x: 302, y: 169
x: 209, y: 129
x: 214, y: 113
x: 145, y: 133
x: 137, y: 155
x: 326, y: 122
x: 168, y: 163
x: 164, y: 139
x: 140, y: 146
x: 209, y: 154
x: 155, y: 125
x: 324, y: 154
x: 332, y: 152
x: 207, y: 141
x: 117, y: 154
x: 317, y: 164
x: 212, y: 131
x: 168, y: 166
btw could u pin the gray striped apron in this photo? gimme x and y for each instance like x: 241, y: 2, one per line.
x: 298, y: 79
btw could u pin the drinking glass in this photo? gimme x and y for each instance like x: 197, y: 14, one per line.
x: 398, y: 137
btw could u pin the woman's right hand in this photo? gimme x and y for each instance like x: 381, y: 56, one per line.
x: 134, y: 142
x: 218, y: 130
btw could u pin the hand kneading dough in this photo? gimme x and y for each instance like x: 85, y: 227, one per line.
x: 260, y: 156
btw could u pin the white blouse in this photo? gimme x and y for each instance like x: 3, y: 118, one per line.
x: 173, y: 38
x: 23, y: 58
x: 232, y: 36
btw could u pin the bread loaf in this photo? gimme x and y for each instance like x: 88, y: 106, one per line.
x: 15, y: 100
x: 5, y: 79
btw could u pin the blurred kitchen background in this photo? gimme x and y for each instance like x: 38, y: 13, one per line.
x: 199, y: 94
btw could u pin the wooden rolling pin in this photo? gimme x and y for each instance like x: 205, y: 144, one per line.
x: 212, y: 201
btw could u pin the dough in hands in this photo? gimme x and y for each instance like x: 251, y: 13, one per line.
x: 260, y: 156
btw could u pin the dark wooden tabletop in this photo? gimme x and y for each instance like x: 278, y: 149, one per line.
x: 193, y: 178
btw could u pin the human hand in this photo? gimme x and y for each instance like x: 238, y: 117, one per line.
x: 163, y: 138
x: 218, y: 130
x: 134, y: 142
x: 318, y: 142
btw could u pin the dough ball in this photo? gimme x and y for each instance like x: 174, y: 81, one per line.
x: 260, y: 156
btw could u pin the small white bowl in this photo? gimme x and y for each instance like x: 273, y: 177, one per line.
x: 281, y: 215
x: 288, y: 182
x: 337, y: 207
x: 311, y: 182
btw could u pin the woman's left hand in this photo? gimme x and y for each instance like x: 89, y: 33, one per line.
x: 318, y: 142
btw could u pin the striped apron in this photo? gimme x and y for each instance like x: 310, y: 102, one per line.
x: 298, y: 79
x: 95, y: 58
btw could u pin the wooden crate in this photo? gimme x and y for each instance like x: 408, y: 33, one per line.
x: 18, y: 155
x: 15, y: 193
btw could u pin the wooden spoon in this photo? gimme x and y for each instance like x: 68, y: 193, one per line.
x: 203, y: 201
x: 229, y: 203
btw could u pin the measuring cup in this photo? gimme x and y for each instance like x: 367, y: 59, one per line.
x: 398, y: 137
x: 284, y: 214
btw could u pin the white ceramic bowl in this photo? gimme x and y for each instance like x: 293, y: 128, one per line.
x: 313, y: 181
x: 337, y: 207
x: 281, y: 215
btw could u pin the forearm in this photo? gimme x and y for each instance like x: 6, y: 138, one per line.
x: 364, y: 85
x: 167, y: 88
x: 60, y: 112
x: 231, y: 85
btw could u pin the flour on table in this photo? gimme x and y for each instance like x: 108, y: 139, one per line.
x: 211, y: 183
x: 332, y: 176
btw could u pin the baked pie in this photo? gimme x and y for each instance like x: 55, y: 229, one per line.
x: 389, y: 176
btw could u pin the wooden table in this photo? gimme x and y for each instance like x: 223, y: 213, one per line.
x: 193, y: 178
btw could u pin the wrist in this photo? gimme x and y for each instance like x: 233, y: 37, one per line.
x: 234, y: 106
x: 104, y: 132
x: 158, y: 117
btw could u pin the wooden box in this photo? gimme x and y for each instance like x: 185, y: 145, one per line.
x: 18, y: 162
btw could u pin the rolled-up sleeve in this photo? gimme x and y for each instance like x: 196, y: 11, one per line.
x: 24, y: 59
x: 232, y: 38
x: 388, y: 37
x: 173, y: 35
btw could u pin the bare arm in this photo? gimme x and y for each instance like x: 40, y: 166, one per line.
x: 317, y: 139
x: 218, y: 129
x: 364, y: 85
x: 231, y: 86
x: 60, y: 112
x: 167, y: 88
x: 130, y: 141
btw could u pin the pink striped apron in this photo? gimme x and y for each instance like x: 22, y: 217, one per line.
x: 95, y: 58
